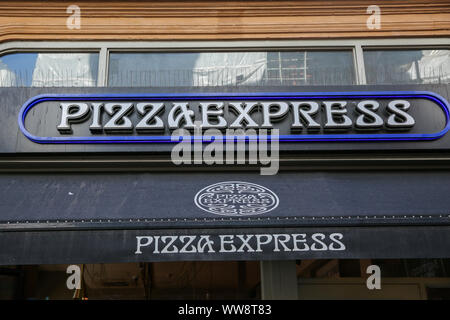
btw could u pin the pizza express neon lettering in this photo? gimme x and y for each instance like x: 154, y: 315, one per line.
x: 316, y: 116
x: 305, y: 114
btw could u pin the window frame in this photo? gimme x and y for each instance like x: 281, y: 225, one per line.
x: 104, y: 48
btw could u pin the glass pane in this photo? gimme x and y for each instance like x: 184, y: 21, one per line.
x: 231, y: 69
x: 407, y: 66
x: 49, y: 70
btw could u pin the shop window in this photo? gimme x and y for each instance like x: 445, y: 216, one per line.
x: 310, y: 68
x: 407, y: 66
x: 49, y: 70
x: 204, y: 69
x: 438, y: 293
x: 415, y: 268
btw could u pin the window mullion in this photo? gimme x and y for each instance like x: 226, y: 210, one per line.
x: 359, y: 62
x: 102, y: 67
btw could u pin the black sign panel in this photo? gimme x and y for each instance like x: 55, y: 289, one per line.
x: 309, y: 119
x: 299, y: 117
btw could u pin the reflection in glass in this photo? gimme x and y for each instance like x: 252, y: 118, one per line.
x: 230, y: 69
x: 407, y: 66
x: 49, y: 70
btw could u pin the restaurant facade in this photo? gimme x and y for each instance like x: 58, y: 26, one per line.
x: 225, y: 149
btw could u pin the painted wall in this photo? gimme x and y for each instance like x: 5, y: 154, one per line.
x: 164, y: 20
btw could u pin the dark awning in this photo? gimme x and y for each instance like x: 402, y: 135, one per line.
x: 85, y: 217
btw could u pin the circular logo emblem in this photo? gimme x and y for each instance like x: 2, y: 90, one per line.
x: 236, y: 198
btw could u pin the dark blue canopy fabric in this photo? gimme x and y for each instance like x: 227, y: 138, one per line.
x: 130, y: 217
x: 168, y: 199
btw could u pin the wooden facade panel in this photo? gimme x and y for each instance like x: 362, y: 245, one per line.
x: 221, y: 20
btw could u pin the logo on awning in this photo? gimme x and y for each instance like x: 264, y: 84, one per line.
x: 236, y: 199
